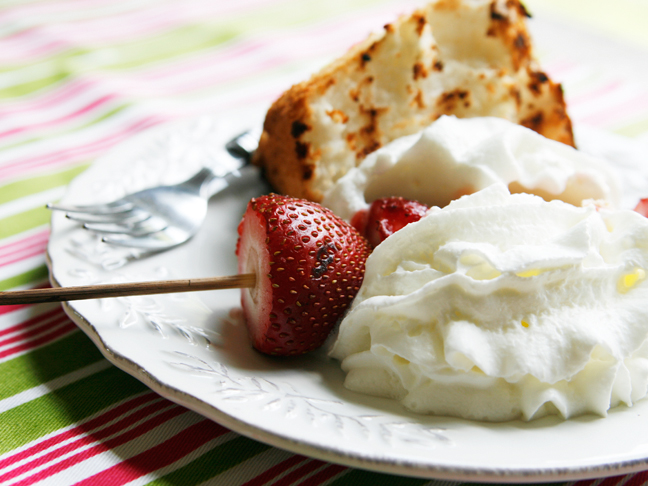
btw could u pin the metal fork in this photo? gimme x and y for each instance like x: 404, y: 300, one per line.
x: 163, y: 217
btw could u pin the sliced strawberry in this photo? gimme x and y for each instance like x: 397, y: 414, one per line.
x: 642, y: 207
x: 386, y: 216
x: 309, y: 266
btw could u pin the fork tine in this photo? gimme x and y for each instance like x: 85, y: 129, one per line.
x: 115, y: 207
x: 143, y: 228
x: 131, y: 217
x: 162, y: 240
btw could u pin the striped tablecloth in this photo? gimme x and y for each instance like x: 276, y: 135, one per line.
x: 78, y: 77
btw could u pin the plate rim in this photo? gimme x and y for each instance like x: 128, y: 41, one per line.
x: 336, y: 455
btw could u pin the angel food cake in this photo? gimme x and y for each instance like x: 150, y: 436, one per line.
x: 469, y: 58
x: 503, y: 306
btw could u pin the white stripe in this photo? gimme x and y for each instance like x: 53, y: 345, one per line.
x: 72, y: 141
x: 33, y: 201
x: 253, y: 467
x: 48, y: 13
x: 52, y: 385
x: 64, y: 107
x: 22, y: 266
x: 21, y: 315
x: 75, y: 434
x: 200, y: 451
x: 105, y: 460
x: 45, y: 326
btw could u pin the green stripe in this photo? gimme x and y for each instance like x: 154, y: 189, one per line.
x: 60, y: 408
x: 47, y: 363
x: 17, y: 223
x: 164, y: 47
x: 634, y: 129
x: 33, y: 185
x: 214, y: 462
x: 32, y: 86
x: 357, y: 477
x: 181, y: 41
x: 34, y: 275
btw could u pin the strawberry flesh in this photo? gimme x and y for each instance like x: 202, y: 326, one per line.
x: 386, y: 216
x: 309, y: 265
x: 642, y: 207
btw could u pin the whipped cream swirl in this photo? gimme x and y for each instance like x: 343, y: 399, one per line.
x: 454, y: 157
x: 503, y: 306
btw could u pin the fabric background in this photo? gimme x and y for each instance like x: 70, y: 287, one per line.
x: 77, y: 77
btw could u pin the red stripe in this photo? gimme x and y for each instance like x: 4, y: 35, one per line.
x: 84, y: 428
x: 105, y: 446
x: 275, y: 471
x: 6, y: 309
x: 324, y: 475
x: 611, y: 481
x: 638, y: 479
x: 51, y: 325
x: 32, y: 322
x: 307, y: 468
x: 87, y: 439
x: 57, y: 333
x: 159, y: 456
x: 584, y: 482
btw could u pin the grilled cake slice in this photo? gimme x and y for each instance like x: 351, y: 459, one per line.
x: 466, y: 58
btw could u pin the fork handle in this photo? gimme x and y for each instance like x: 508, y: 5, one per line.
x: 84, y: 292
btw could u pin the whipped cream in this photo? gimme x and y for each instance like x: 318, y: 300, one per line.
x: 503, y: 306
x: 455, y: 157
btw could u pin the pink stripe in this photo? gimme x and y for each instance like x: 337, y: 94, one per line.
x: 27, y: 11
x: 39, y: 237
x: 595, y: 94
x: 37, y: 330
x: 105, y: 446
x: 11, y: 52
x: 275, y: 471
x: 45, y: 339
x: 223, y: 74
x: 82, y: 429
x: 333, y: 39
x: 84, y: 440
x: 24, y: 256
x: 34, y: 321
x: 80, y: 112
x: 318, y: 41
x: 625, y: 110
x: 56, y: 95
x: 129, y: 26
x: 159, y: 456
x: 35, y: 249
x: 72, y: 154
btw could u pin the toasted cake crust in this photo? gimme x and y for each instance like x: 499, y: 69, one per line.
x: 452, y: 57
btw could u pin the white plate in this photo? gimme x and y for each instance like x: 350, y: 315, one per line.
x: 193, y: 349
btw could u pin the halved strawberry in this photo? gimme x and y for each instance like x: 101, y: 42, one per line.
x: 309, y: 265
x: 386, y: 216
